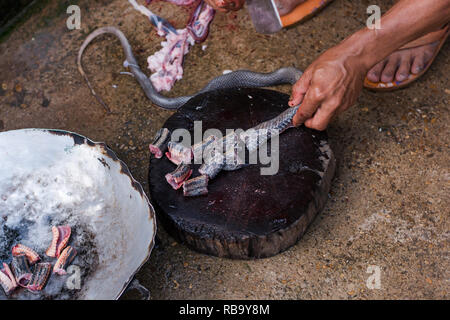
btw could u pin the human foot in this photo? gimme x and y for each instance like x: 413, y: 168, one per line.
x: 286, y: 6
x: 402, y: 63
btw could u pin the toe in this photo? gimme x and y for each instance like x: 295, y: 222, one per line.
x: 404, y: 67
x: 387, y: 75
x: 375, y: 73
x: 429, y: 52
x: 418, y: 62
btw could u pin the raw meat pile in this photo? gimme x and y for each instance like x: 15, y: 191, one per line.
x: 20, y: 273
x: 215, y: 159
x: 167, y: 63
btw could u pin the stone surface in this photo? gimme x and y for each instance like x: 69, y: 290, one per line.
x: 389, y: 200
x: 246, y: 214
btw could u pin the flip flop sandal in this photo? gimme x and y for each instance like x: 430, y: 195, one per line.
x: 303, y: 11
x: 440, y: 35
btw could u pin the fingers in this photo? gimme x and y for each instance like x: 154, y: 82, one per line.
x: 299, y: 89
x: 228, y: 5
x: 306, y: 110
x: 215, y: 7
x: 235, y: 5
x: 322, y: 117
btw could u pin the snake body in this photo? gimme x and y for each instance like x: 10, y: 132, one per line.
x: 235, y: 79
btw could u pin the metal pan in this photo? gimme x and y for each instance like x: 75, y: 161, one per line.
x: 50, y: 177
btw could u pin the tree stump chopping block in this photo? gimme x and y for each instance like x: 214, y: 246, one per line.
x: 246, y: 214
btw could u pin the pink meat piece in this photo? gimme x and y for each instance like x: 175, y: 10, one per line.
x: 176, y: 178
x: 155, y: 151
x: 61, y: 235
x: 178, y: 153
x: 198, y: 24
x: 7, y: 279
x: 167, y: 63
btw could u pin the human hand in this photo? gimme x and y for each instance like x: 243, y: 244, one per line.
x: 329, y: 86
x: 226, y: 5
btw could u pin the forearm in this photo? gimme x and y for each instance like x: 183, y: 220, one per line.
x: 407, y: 20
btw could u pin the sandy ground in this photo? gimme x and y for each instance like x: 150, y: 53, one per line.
x: 389, y: 203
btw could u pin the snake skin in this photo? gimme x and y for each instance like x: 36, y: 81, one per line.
x: 235, y: 79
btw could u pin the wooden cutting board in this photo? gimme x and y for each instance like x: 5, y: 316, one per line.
x: 246, y: 214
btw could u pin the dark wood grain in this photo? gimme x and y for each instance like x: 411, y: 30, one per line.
x: 246, y: 214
